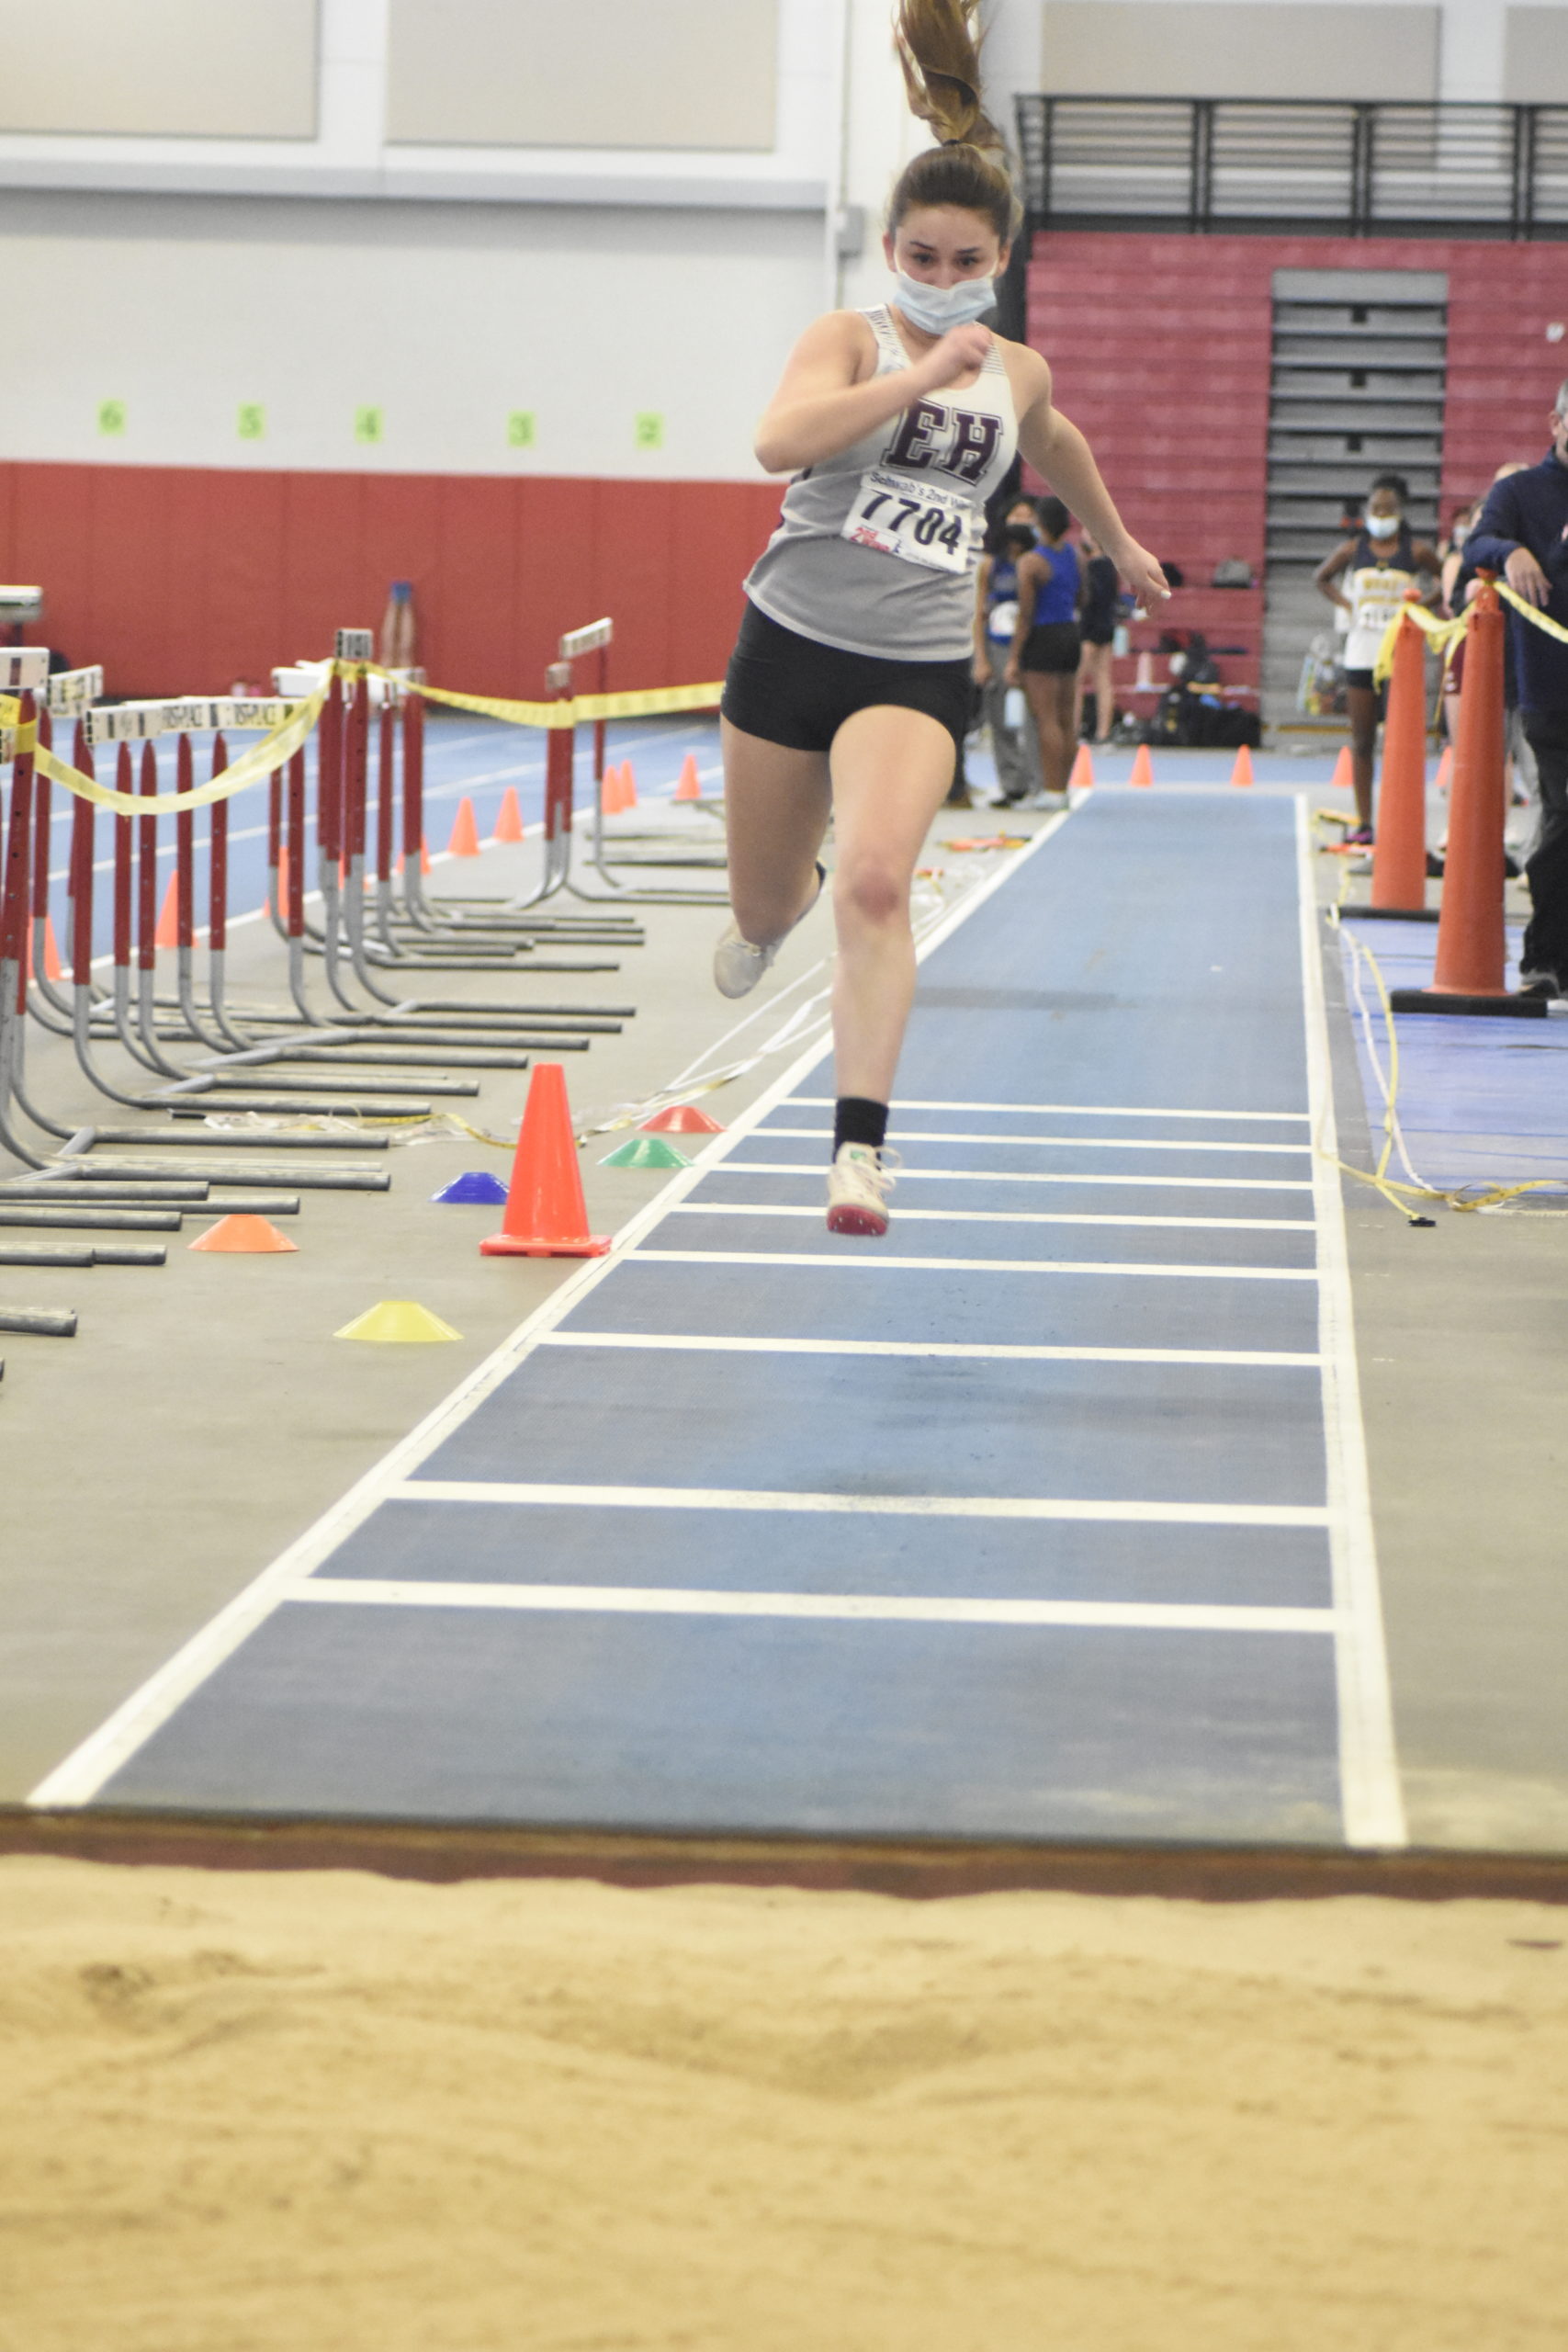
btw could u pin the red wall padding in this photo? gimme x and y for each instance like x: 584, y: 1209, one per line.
x: 182, y: 581
x: 1159, y: 348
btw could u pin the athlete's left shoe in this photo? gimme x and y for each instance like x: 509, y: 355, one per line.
x: 858, y: 1184
x: 737, y: 965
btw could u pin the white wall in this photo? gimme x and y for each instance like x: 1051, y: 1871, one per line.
x: 445, y: 317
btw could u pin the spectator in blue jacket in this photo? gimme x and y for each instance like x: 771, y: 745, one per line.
x: 1523, y: 534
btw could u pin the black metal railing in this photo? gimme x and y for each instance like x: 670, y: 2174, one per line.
x: 1403, y: 167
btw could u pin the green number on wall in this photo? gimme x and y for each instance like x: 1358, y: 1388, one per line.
x: 111, y: 416
x: 368, y: 425
x: 647, y: 430
x: 521, y: 431
x: 251, y: 424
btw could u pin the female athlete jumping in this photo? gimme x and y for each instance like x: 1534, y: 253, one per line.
x: 848, y: 691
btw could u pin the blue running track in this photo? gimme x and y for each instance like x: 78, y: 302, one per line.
x: 1044, y: 1517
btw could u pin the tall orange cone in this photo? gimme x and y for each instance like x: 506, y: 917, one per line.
x: 1398, y: 857
x: 1470, y: 947
x: 1082, y: 776
x: 509, y: 817
x: 1143, y: 768
x: 168, y: 931
x: 689, y: 789
x: 547, y: 1215
x: 1344, y: 776
x: 1242, y: 772
x: 465, y: 840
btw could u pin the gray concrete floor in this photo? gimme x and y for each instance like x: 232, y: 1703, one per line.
x: 205, y: 1416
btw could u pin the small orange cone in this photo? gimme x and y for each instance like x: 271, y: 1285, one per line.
x: 1242, y: 772
x: 547, y: 1215
x: 1344, y: 776
x: 168, y: 931
x: 689, y: 789
x: 246, y: 1237
x: 465, y: 840
x: 423, y: 860
x: 614, y: 791
x: 629, y: 785
x: 282, y: 887
x: 1445, y: 775
x: 681, y: 1119
x: 51, y: 967
x: 1143, y: 768
x: 508, y: 817
x: 1082, y: 776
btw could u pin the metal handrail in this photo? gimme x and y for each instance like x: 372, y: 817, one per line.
x: 1328, y: 165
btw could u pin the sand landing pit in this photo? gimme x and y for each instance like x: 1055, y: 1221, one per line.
x: 279, y: 2113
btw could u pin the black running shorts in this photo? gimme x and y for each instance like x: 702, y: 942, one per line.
x: 1054, y: 647
x: 790, y: 690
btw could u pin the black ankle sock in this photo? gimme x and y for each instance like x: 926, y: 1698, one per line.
x: 856, y: 1119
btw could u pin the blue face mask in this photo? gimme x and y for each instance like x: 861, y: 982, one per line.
x: 937, y: 307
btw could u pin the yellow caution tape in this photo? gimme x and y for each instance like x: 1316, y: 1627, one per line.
x: 259, y: 760
x: 571, y: 711
x: 1532, y: 612
x: 1443, y: 635
x: 653, y: 702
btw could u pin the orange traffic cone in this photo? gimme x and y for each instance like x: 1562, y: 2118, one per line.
x: 52, y: 970
x: 681, y: 1119
x: 1082, y: 776
x: 1445, y: 775
x: 508, y: 817
x: 622, y: 794
x: 282, y: 887
x: 1242, y: 772
x: 1344, y: 777
x: 465, y: 840
x: 547, y: 1215
x: 246, y: 1237
x: 423, y: 860
x: 1470, y: 947
x: 689, y: 789
x: 1398, y: 857
x: 1143, y: 768
x: 168, y: 931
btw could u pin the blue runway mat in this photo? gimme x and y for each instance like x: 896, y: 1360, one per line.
x: 1051, y: 1533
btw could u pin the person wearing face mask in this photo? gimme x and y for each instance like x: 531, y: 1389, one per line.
x: 1367, y: 576
x: 1522, y: 532
x: 847, y: 692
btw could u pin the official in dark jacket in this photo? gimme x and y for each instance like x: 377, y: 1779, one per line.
x: 1523, y: 533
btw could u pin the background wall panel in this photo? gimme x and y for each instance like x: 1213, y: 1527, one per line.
x: 1243, y: 48
x: 648, y: 73
x: 1535, y: 56
x: 199, y: 69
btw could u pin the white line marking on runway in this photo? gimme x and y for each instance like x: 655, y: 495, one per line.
x: 940, y: 1350
x: 841, y: 1261
x: 1056, y: 1143
x: 1369, y: 1765
x: 643, y: 1600
x: 1090, y: 1511
x: 1005, y: 1216
x: 1065, y: 1110
x: 80, y: 1776
x: 1032, y: 1176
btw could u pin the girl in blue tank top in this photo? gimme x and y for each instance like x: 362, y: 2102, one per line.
x: 1047, y: 642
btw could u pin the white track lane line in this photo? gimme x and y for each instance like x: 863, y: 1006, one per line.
x: 654, y: 1601
x: 932, y: 1351
x: 1034, y: 1176
x: 1068, y: 1110
x: 1008, y: 1216
x: 840, y: 1263
x: 1056, y: 1143
x: 77, y: 1780
x: 1077, y: 1510
x: 1369, y: 1768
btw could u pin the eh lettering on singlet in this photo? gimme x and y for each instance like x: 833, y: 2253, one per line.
x: 933, y: 438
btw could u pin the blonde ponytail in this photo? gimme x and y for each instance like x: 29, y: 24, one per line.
x: 939, y: 54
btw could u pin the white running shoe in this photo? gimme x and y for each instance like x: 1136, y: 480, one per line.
x: 858, y: 1184
x: 737, y: 965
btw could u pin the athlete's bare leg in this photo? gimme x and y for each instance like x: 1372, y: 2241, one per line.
x: 1051, y: 694
x: 776, y: 808
x: 891, y: 772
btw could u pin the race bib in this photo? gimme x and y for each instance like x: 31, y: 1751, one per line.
x: 917, y: 521
x: 1002, y: 621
